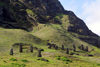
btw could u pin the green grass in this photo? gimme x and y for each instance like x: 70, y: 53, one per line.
x: 10, y: 36
x: 30, y: 12
x: 53, y: 61
x: 13, y: 59
x: 57, y: 34
x: 38, y: 38
x: 65, y: 59
x: 24, y: 60
x: 14, y: 65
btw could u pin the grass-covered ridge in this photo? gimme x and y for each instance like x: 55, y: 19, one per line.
x: 8, y: 37
x: 50, y: 57
x: 50, y: 37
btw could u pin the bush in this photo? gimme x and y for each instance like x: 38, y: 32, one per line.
x: 58, y: 57
x: 43, y: 59
x: 23, y: 60
x: 63, y: 59
x: 13, y: 59
x: 98, y: 64
x: 66, y: 59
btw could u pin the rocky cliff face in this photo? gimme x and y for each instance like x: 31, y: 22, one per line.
x: 25, y: 14
x: 78, y: 25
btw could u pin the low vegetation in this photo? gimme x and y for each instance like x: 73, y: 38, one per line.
x: 35, y: 52
x: 30, y: 12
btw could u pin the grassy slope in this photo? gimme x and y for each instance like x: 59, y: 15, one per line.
x: 10, y: 36
x: 58, y: 33
x: 52, y: 32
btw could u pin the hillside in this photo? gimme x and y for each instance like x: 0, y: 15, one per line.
x: 39, y: 22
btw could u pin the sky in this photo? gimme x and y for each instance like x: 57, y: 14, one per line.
x: 88, y: 10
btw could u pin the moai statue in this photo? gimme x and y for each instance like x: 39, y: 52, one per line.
x: 48, y: 43
x: 11, y: 51
x: 82, y: 47
x: 53, y: 45
x: 87, y: 48
x: 74, y: 47
x: 20, y: 48
x: 31, y: 49
x: 41, y: 49
x: 56, y: 47
x: 39, y: 53
x: 62, y: 47
x: 67, y: 51
x: 50, y: 46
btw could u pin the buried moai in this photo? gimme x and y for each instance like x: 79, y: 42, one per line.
x: 11, y: 51
x: 62, y: 47
x: 56, y: 47
x: 50, y: 46
x: 40, y: 52
x: 20, y: 48
x: 74, y: 47
x: 53, y: 45
x: 31, y: 49
x: 67, y: 51
x: 81, y: 47
x: 87, y: 48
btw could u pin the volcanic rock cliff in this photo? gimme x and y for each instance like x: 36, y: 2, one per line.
x: 25, y: 14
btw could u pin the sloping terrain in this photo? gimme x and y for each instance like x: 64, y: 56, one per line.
x: 39, y: 22
x: 27, y: 59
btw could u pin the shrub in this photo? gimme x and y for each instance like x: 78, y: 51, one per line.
x: 66, y: 59
x: 63, y: 59
x: 43, y: 59
x: 98, y: 64
x: 24, y: 60
x: 58, y: 57
x: 13, y: 59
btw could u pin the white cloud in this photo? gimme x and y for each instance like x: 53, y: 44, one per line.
x: 91, y: 12
x: 69, y: 5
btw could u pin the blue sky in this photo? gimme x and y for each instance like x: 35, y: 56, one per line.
x: 88, y: 10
